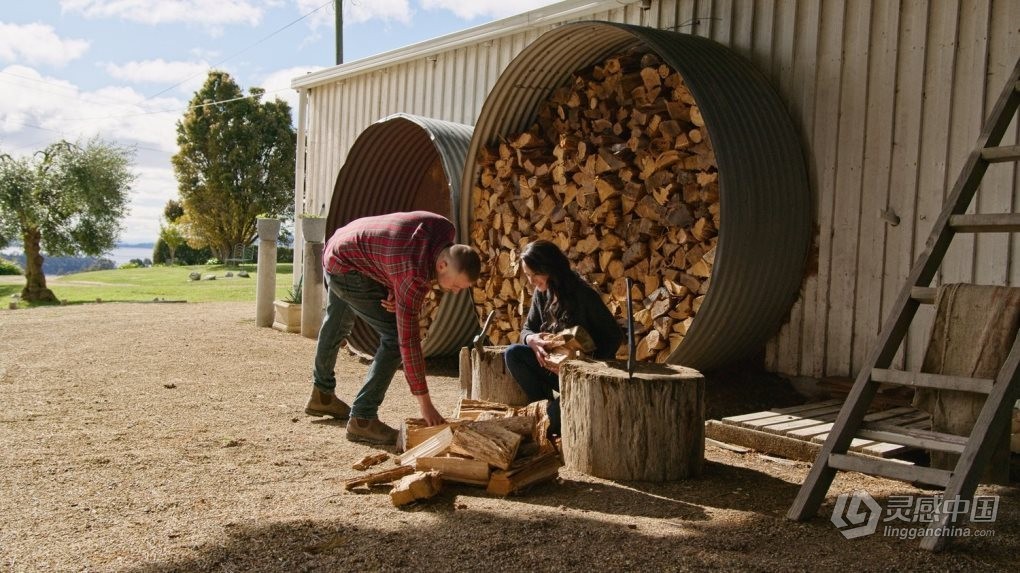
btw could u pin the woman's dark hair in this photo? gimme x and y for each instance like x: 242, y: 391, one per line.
x: 545, y: 258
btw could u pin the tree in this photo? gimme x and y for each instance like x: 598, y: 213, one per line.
x: 172, y: 236
x: 65, y: 200
x: 236, y: 161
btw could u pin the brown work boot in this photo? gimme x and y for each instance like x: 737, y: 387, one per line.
x: 371, y: 431
x: 323, y: 404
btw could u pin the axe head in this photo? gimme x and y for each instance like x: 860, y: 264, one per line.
x: 481, y: 338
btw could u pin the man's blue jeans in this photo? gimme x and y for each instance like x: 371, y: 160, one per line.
x: 355, y: 295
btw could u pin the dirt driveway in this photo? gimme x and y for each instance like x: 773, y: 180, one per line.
x: 171, y: 437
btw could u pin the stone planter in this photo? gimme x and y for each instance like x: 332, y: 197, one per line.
x: 288, y: 316
x: 268, y: 229
x: 313, y: 229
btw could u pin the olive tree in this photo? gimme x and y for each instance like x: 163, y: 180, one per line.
x: 65, y: 200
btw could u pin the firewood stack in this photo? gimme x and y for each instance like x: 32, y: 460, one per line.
x: 619, y: 172
x: 495, y: 446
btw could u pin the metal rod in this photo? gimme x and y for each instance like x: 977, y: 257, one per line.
x: 630, y: 332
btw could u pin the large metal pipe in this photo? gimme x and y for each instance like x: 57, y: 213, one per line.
x: 765, y: 206
x: 404, y: 163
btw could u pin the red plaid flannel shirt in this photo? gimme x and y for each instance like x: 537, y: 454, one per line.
x: 399, y: 251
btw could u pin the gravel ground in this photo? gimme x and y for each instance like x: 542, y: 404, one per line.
x: 171, y: 437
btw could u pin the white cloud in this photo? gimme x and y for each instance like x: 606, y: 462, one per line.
x: 356, y: 12
x: 41, y: 104
x: 150, y: 192
x: 38, y: 44
x: 205, y: 12
x: 280, y: 80
x: 471, y: 9
x: 160, y: 71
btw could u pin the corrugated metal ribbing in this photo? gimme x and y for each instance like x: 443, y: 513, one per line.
x: 764, y: 195
x: 391, y: 167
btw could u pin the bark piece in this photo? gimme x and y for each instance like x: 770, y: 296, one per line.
x: 371, y: 460
x: 382, y: 476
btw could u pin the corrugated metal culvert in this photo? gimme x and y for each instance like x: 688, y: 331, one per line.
x: 764, y: 194
x: 407, y: 163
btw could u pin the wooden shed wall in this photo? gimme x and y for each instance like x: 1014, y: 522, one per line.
x: 888, y: 96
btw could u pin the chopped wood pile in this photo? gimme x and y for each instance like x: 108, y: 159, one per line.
x: 486, y: 444
x: 619, y: 172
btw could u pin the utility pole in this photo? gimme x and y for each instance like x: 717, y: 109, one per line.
x: 338, y: 9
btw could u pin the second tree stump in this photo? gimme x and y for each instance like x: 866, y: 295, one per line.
x: 649, y: 428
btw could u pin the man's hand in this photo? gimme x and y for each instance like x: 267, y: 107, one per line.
x: 389, y: 303
x: 428, y: 411
x: 537, y: 344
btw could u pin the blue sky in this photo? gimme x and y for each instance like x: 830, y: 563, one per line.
x: 125, y: 69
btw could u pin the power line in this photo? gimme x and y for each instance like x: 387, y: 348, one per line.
x: 243, y: 50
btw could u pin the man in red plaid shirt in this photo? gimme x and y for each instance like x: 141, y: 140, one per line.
x: 380, y: 269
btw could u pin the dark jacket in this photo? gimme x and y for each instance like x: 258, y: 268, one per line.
x: 589, y: 313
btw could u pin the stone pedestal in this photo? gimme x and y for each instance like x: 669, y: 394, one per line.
x: 312, y: 290
x: 265, y: 286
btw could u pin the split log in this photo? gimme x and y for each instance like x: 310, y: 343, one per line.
x: 457, y: 469
x: 414, y: 431
x: 491, y: 444
x: 490, y: 379
x: 436, y: 445
x: 650, y: 427
x: 540, y: 434
x: 383, y: 476
x: 418, y: 485
x: 371, y: 460
x: 471, y: 409
x: 524, y: 473
x: 522, y: 425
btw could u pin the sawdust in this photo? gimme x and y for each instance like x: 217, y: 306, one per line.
x: 141, y: 437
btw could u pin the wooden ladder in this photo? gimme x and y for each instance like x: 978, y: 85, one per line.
x: 974, y: 451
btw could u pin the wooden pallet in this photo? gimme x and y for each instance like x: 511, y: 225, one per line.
x: 776, y: 431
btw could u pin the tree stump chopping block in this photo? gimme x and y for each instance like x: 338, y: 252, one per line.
x: 649, y: 428
x: 490, y: 379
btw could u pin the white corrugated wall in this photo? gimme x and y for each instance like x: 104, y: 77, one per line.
x: 889, y: 96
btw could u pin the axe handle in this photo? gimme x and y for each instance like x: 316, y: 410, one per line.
x: 485, y: 328
x: 630, y: 332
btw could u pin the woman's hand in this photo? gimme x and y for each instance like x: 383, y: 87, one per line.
x: 389, y: 303
x: 537, y: 344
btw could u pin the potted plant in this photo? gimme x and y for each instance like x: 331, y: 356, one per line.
x: 313, y: 227
x: 288, y: 310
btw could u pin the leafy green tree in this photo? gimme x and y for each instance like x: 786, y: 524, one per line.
x: 236, y: 161
x: 172, y: 237
x: 66, y: 200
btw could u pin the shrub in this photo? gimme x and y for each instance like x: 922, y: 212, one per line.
x: 10, y: 268
x: 213, y: 261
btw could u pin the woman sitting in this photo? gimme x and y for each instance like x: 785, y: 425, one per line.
x: 561, y: 299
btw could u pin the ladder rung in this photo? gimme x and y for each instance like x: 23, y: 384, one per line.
x: 913, y: 437
x: 1001, y: 154
x: 889, y: 469
x: 940, y: 381
x: 999, y: 222
x: 923, y: 295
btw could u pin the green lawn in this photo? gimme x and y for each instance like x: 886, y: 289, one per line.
x: 166, y: 283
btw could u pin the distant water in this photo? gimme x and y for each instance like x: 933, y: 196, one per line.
x: 123, y: 255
